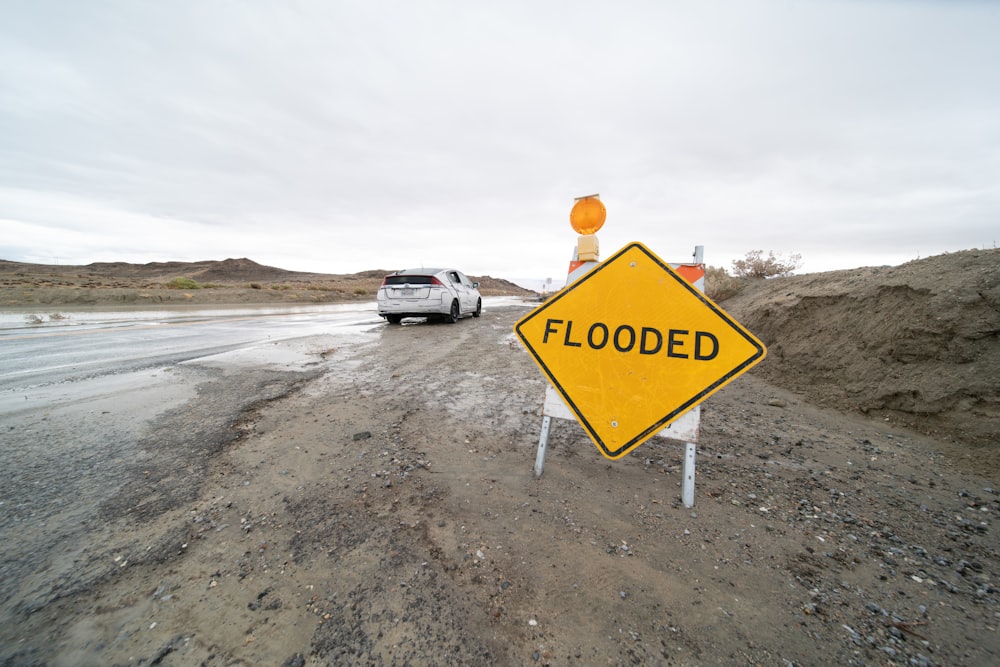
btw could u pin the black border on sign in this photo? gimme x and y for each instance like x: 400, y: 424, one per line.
x: 758, y: 354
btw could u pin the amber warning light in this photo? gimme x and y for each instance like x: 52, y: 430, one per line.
x: 588, y: 215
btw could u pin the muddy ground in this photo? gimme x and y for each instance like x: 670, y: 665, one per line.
x: 380, y: 509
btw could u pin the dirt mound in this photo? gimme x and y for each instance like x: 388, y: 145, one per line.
x: 917, y: 344
x: 238, y: 270
x: 496, y: 286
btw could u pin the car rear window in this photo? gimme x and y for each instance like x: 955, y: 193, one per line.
x: 412, y: 280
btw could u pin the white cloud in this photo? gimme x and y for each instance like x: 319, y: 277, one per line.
x: 353, y: 135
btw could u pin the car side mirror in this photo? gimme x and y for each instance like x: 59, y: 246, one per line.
x: 475, y: 285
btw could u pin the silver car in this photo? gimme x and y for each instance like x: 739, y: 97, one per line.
x: 439, y: 293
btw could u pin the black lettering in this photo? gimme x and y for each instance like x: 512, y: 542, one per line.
x: 672, y: 342
x: 597, y: 326
x: 643, y: 348
x: 698, y: 336
x: 650, y: 339
x: 631, y: 338
x: 569, y: 330
x: 549, y: 329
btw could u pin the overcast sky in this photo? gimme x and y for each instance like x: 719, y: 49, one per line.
x: 339, y: 136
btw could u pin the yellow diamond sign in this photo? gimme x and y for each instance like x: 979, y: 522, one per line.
x: 632, y: 346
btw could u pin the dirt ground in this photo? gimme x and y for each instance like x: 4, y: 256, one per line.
x: 382, y: 509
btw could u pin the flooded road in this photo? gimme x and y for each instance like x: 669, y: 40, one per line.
x: 88, y: 344
x: 97, y: 408
x: 37, y: 350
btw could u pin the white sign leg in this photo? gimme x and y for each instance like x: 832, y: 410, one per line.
x: 543, y: 442
x: 688, y: 492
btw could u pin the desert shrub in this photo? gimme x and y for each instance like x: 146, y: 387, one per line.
x: 719, y: 285
x: 756, y: 265
x: 183, y: 283
x: 254, y: 285
x: 360, y: 290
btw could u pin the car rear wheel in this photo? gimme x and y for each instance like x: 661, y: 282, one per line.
x: 452, y: 316
x: 479, y: 308
x: 393, y: 319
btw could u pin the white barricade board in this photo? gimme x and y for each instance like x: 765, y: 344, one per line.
x: 684, y: 428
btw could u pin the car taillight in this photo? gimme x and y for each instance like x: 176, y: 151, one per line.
x: 436, y: 282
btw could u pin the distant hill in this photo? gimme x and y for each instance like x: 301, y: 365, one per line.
x: 226, y: 270
x: 240, y: 272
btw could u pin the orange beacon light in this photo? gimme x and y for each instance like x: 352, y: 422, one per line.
x: 588, y: 215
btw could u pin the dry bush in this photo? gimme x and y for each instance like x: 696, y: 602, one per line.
x: 183, y: 283
x: 719, y: 285
x: 756, y: 265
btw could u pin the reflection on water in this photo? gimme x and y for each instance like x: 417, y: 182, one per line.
x: 103, y: 317
x: 345, y: 314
